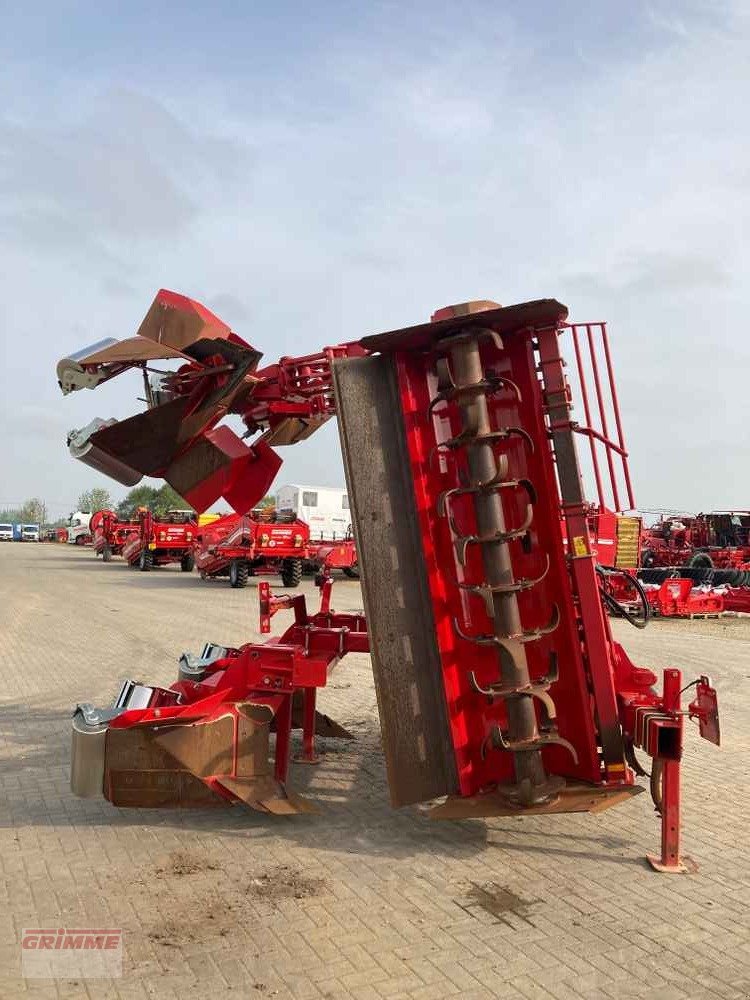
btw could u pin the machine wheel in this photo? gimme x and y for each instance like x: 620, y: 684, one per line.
x: 352, y: 572
x: 79, y: 540
x: 187, y: 563
x: 701, y: 560
x: 238, y: 573
x: 291, y: 572
x: 145, y: 561
x: 648, y: 558
x: 107, y: 554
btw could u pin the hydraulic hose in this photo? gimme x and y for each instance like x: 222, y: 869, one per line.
x: 614, y: 605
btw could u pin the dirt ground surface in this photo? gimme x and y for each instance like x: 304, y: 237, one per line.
x: 359, y: 901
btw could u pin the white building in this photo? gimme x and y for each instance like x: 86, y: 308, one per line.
x: 324, y: 508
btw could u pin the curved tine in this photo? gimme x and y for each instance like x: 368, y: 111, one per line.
x: 504, y: 433
x: 444, y: 374
x: 530, y: 490
x: 488, y: 743
x: 492, y: 335
x: 548, y: 705
x: 553, y: 674
x: 503, y: 466
x: 436, y: 450
x: 485, y: 592
x: 455, y: 391
x: 532, y: 634
x: 520, y: 432
x: 483, y: 639
x: 504, y: 383
x: 533, y: 691
x: 560, y: 741
x: 532, y: 583
x: 462, y: 542
x: 476, y: 686
x: 498, y: 536
x: 545, y: 739
x: 442, y: 500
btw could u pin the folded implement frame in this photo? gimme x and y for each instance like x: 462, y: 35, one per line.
x: 500, y: 688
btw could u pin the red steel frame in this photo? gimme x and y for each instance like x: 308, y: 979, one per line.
x: 265, y: 674
x: 603, y: 704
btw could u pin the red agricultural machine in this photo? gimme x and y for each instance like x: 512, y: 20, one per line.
x: 717, y: 540
x: 262, y: 542
x: 161, y: 542
x: 501, y: 689
x: 110, y: 534
x: 326, y: 556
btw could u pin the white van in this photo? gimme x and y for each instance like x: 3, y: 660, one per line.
x: 324, y: 508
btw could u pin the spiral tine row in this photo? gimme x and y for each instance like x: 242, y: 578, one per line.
x: 463, y: 382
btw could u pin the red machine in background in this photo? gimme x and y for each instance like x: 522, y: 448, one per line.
x: 262, y: 542
x: 615, y: 537
x: 501, y: 688
x: 326, y: 556
x: 110, y: 534
x: 158, y: 543
x: 720, y: 539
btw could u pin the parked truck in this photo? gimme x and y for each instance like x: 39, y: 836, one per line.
x: 6, y: 532
x: 29, y: 532
x: 78, y: 528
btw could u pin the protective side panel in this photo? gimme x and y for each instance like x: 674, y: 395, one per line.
x: 406, y: 663
x: 146, y: 442
x: 140, y: 772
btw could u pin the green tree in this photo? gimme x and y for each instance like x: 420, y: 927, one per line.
x: 95, y: 499
x: 34, y: 511
x: 139, y: 496
x: 169, y: 499
x: 158, y: 501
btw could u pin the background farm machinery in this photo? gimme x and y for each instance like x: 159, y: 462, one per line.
x: 110, y: 534
x: 500, y: 687
x: 262, y: 542
x: 161, y: 542
x: 718, y: 540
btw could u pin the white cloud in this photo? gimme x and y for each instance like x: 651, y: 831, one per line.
x: 397, y: 171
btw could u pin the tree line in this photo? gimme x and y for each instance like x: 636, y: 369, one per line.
x: 159, y: 500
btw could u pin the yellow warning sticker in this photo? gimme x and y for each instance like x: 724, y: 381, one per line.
x: 579, y: 545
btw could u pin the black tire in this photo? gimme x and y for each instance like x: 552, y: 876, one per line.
x: 79, y: 540
x: 352, y: 572
x: 648, y: 558
x: 238, y: 573
x: 291, y: 572
x: 187, y: 563
x: 701, y: 560
x: 145, y: 561
x: 107, y: 554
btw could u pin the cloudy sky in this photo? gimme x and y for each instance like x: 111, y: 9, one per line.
x: 316, y: 172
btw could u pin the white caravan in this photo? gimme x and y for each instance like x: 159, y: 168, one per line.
x: 324, y: 508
